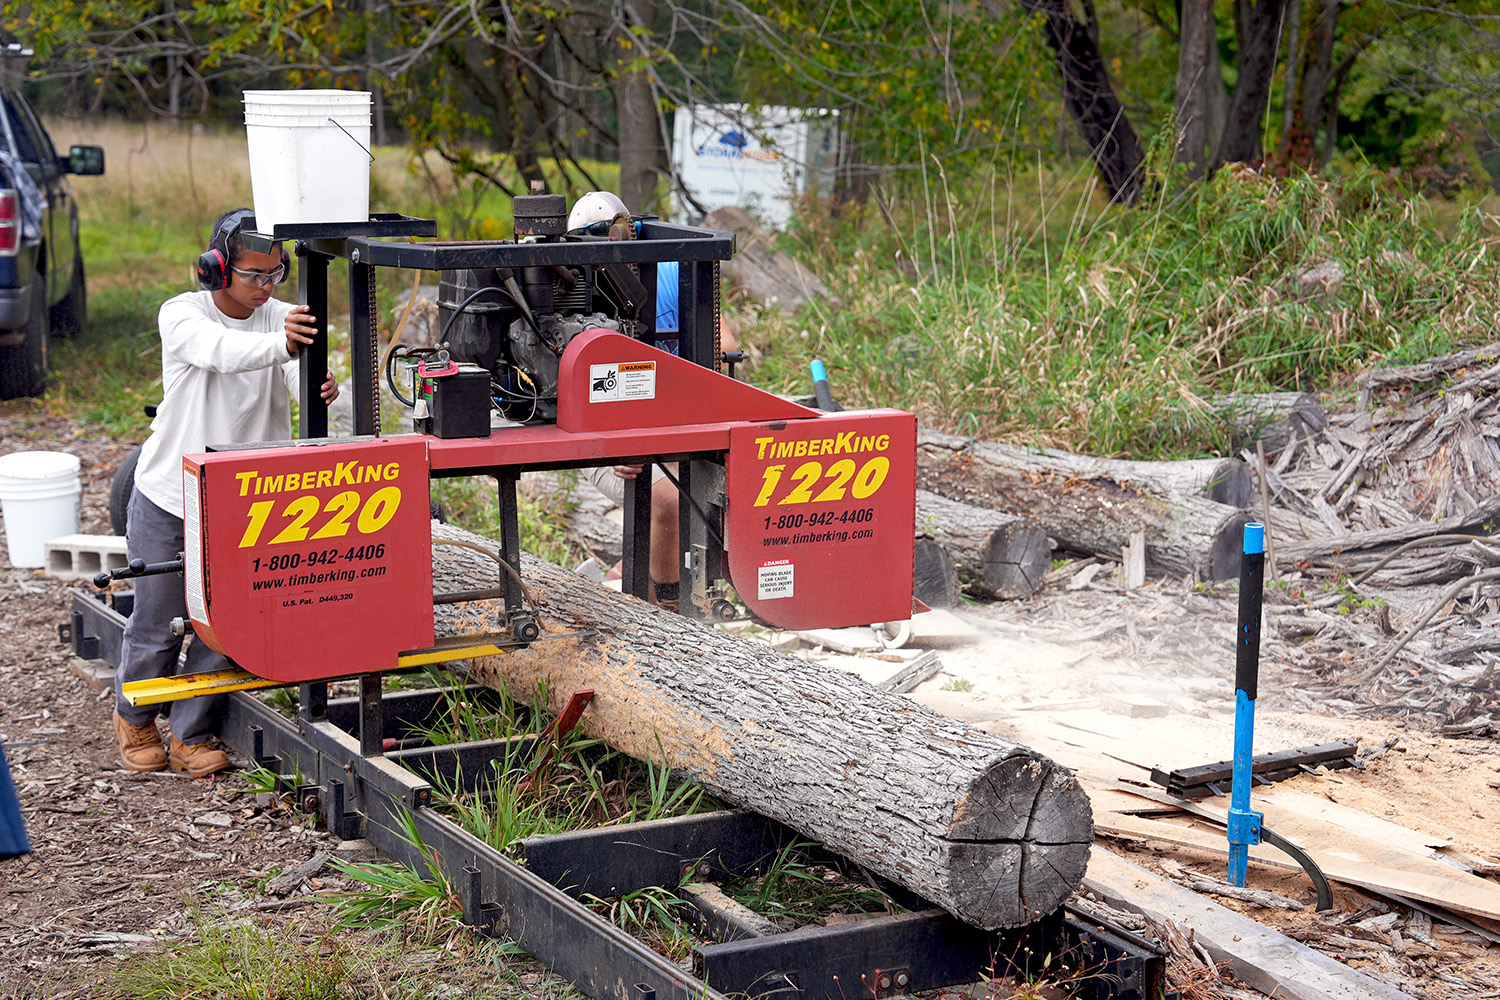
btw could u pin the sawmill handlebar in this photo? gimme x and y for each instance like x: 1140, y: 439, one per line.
x: 135, y: 568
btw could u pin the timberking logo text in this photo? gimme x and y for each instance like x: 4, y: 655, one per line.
x: 847, y: 443
x: 842, y: 479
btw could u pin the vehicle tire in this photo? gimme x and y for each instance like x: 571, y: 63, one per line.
x: 69, y: 315
x: 23, y: 368
x: 120, y: 490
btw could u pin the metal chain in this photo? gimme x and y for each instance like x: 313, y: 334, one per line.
x: 374, y: 334
x: 718, y: 313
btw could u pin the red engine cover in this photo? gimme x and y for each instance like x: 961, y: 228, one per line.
x: 320, y: 555
x: 820, y: 518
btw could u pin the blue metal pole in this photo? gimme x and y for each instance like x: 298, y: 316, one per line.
x: 1245, y: 823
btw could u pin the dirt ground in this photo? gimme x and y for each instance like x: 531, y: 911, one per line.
x: 118, y: 854
x: 124, y: 862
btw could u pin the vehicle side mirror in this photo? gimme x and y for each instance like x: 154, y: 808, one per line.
x: 86, y: 161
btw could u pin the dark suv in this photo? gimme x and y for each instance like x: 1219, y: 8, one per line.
x: 41, y: 263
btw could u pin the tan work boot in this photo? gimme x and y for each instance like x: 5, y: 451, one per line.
x: 140, y: 746
x: 197, y: 759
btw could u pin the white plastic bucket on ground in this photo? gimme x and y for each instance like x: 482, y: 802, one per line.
x: 309, y: 159
x: 39, y: 498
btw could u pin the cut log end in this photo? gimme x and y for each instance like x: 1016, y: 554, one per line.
x: 1228, y: 547
x: 1020, y: 840
x: 1016, y: 559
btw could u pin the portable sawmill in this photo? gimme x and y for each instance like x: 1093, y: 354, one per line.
x: 312, y: 559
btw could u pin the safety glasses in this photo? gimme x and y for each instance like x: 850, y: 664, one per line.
x: 261, y: 278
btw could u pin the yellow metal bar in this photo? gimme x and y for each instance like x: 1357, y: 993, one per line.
x: 157, y: 690
x: 422, y: 657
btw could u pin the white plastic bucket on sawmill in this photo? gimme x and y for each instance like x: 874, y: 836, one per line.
x: 39, y: 498
x: 309, y: 156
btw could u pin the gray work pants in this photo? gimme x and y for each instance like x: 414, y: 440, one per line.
x: 150, y: 649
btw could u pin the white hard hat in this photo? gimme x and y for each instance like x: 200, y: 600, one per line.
x: 596, y: 206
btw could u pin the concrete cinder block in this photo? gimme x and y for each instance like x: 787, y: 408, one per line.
x: 83, y: 556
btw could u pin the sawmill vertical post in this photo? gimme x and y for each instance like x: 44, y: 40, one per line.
x: 364, y: 346
x: 312, y: 359
x: 1245, y: 823
x: 635, y: 565
x: 510, y: 536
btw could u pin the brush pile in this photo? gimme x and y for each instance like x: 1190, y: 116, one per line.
x: 1391, y: 507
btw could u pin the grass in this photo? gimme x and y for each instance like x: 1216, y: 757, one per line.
x: 235, y: 959
x: 1024, y: 308
x: 536, y: 789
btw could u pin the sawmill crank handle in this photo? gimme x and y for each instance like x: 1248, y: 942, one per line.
x: 135, y: 568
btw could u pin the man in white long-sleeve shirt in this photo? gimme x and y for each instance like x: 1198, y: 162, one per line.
x: 229, y: 372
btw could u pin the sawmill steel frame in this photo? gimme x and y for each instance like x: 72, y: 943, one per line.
x: 364, y: 794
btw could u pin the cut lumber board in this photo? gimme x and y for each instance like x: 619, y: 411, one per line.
x: 1263, y: 958
x: 1343, y: 856
x: 995, y: 554
x: 990, y: 830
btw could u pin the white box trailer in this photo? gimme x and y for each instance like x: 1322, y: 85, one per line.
x: 758, y: 158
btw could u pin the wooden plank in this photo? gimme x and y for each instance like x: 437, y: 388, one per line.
x: 1344, y: 857
x: 1265, y: 959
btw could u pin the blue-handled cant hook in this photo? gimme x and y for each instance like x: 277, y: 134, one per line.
x: 824, y: 394
x: 1244, y: 822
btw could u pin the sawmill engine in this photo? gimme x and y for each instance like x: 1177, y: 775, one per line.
x: 514, y: 323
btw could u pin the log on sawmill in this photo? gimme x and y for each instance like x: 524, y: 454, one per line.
x: 995, y: 554
x: 989, y: 830
x: 1223, y: 480
x: 1185, y: 534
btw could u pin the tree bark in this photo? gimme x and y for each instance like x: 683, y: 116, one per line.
x: 1091, y: 100
x: 1196, y: 76
x: 640, y: 137
x: 995, y: 554
x: 1259, y: 29
x: 1317, y: 72
x: 1088, y: 511
x: 1275, y: 419
x: 991, y: 831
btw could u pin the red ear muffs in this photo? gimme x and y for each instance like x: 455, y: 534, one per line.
x: 213, y: 270
x: 213, y: 263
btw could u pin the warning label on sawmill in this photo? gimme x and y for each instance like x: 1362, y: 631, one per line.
x: 626, y: 380
x: 775, y: 579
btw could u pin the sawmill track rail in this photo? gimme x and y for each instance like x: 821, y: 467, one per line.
x: 335, y: 746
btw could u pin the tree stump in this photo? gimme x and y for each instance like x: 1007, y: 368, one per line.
x: 991, y: 831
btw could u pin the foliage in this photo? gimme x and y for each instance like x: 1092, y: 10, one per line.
x: 426, y: 905
x: 235, y: 959
x: 919, y: 87
x: 1049, y: 318
x: 797, y: 892
x: 652, y: 914
x: 473, y: 503
x: 535, y: 788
